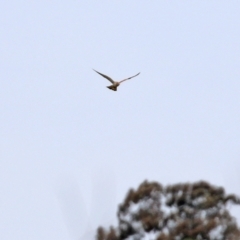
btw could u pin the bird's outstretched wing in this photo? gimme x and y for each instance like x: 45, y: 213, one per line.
x: 105, y: 76
x: 129, y: 78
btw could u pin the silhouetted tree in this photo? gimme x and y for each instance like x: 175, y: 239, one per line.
x: 176, y: 212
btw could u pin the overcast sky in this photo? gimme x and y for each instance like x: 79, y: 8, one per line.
x: 70, y: 148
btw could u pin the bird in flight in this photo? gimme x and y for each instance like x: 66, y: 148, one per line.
x: 115, y: 84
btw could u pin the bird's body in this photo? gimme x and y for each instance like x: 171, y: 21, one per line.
x: 115, y: 84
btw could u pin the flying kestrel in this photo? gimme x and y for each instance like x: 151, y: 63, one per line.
x: 115, y: 84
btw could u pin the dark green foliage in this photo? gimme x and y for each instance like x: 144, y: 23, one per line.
x: 195, y: 211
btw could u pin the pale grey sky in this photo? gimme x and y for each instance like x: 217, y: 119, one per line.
x: 70, y: 148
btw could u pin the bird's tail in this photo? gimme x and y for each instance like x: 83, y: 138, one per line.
x: 112, y: 88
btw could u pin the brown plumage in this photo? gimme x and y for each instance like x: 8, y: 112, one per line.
x: 115, y: 84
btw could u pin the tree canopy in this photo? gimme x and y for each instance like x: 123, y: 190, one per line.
x: 190, y: 211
